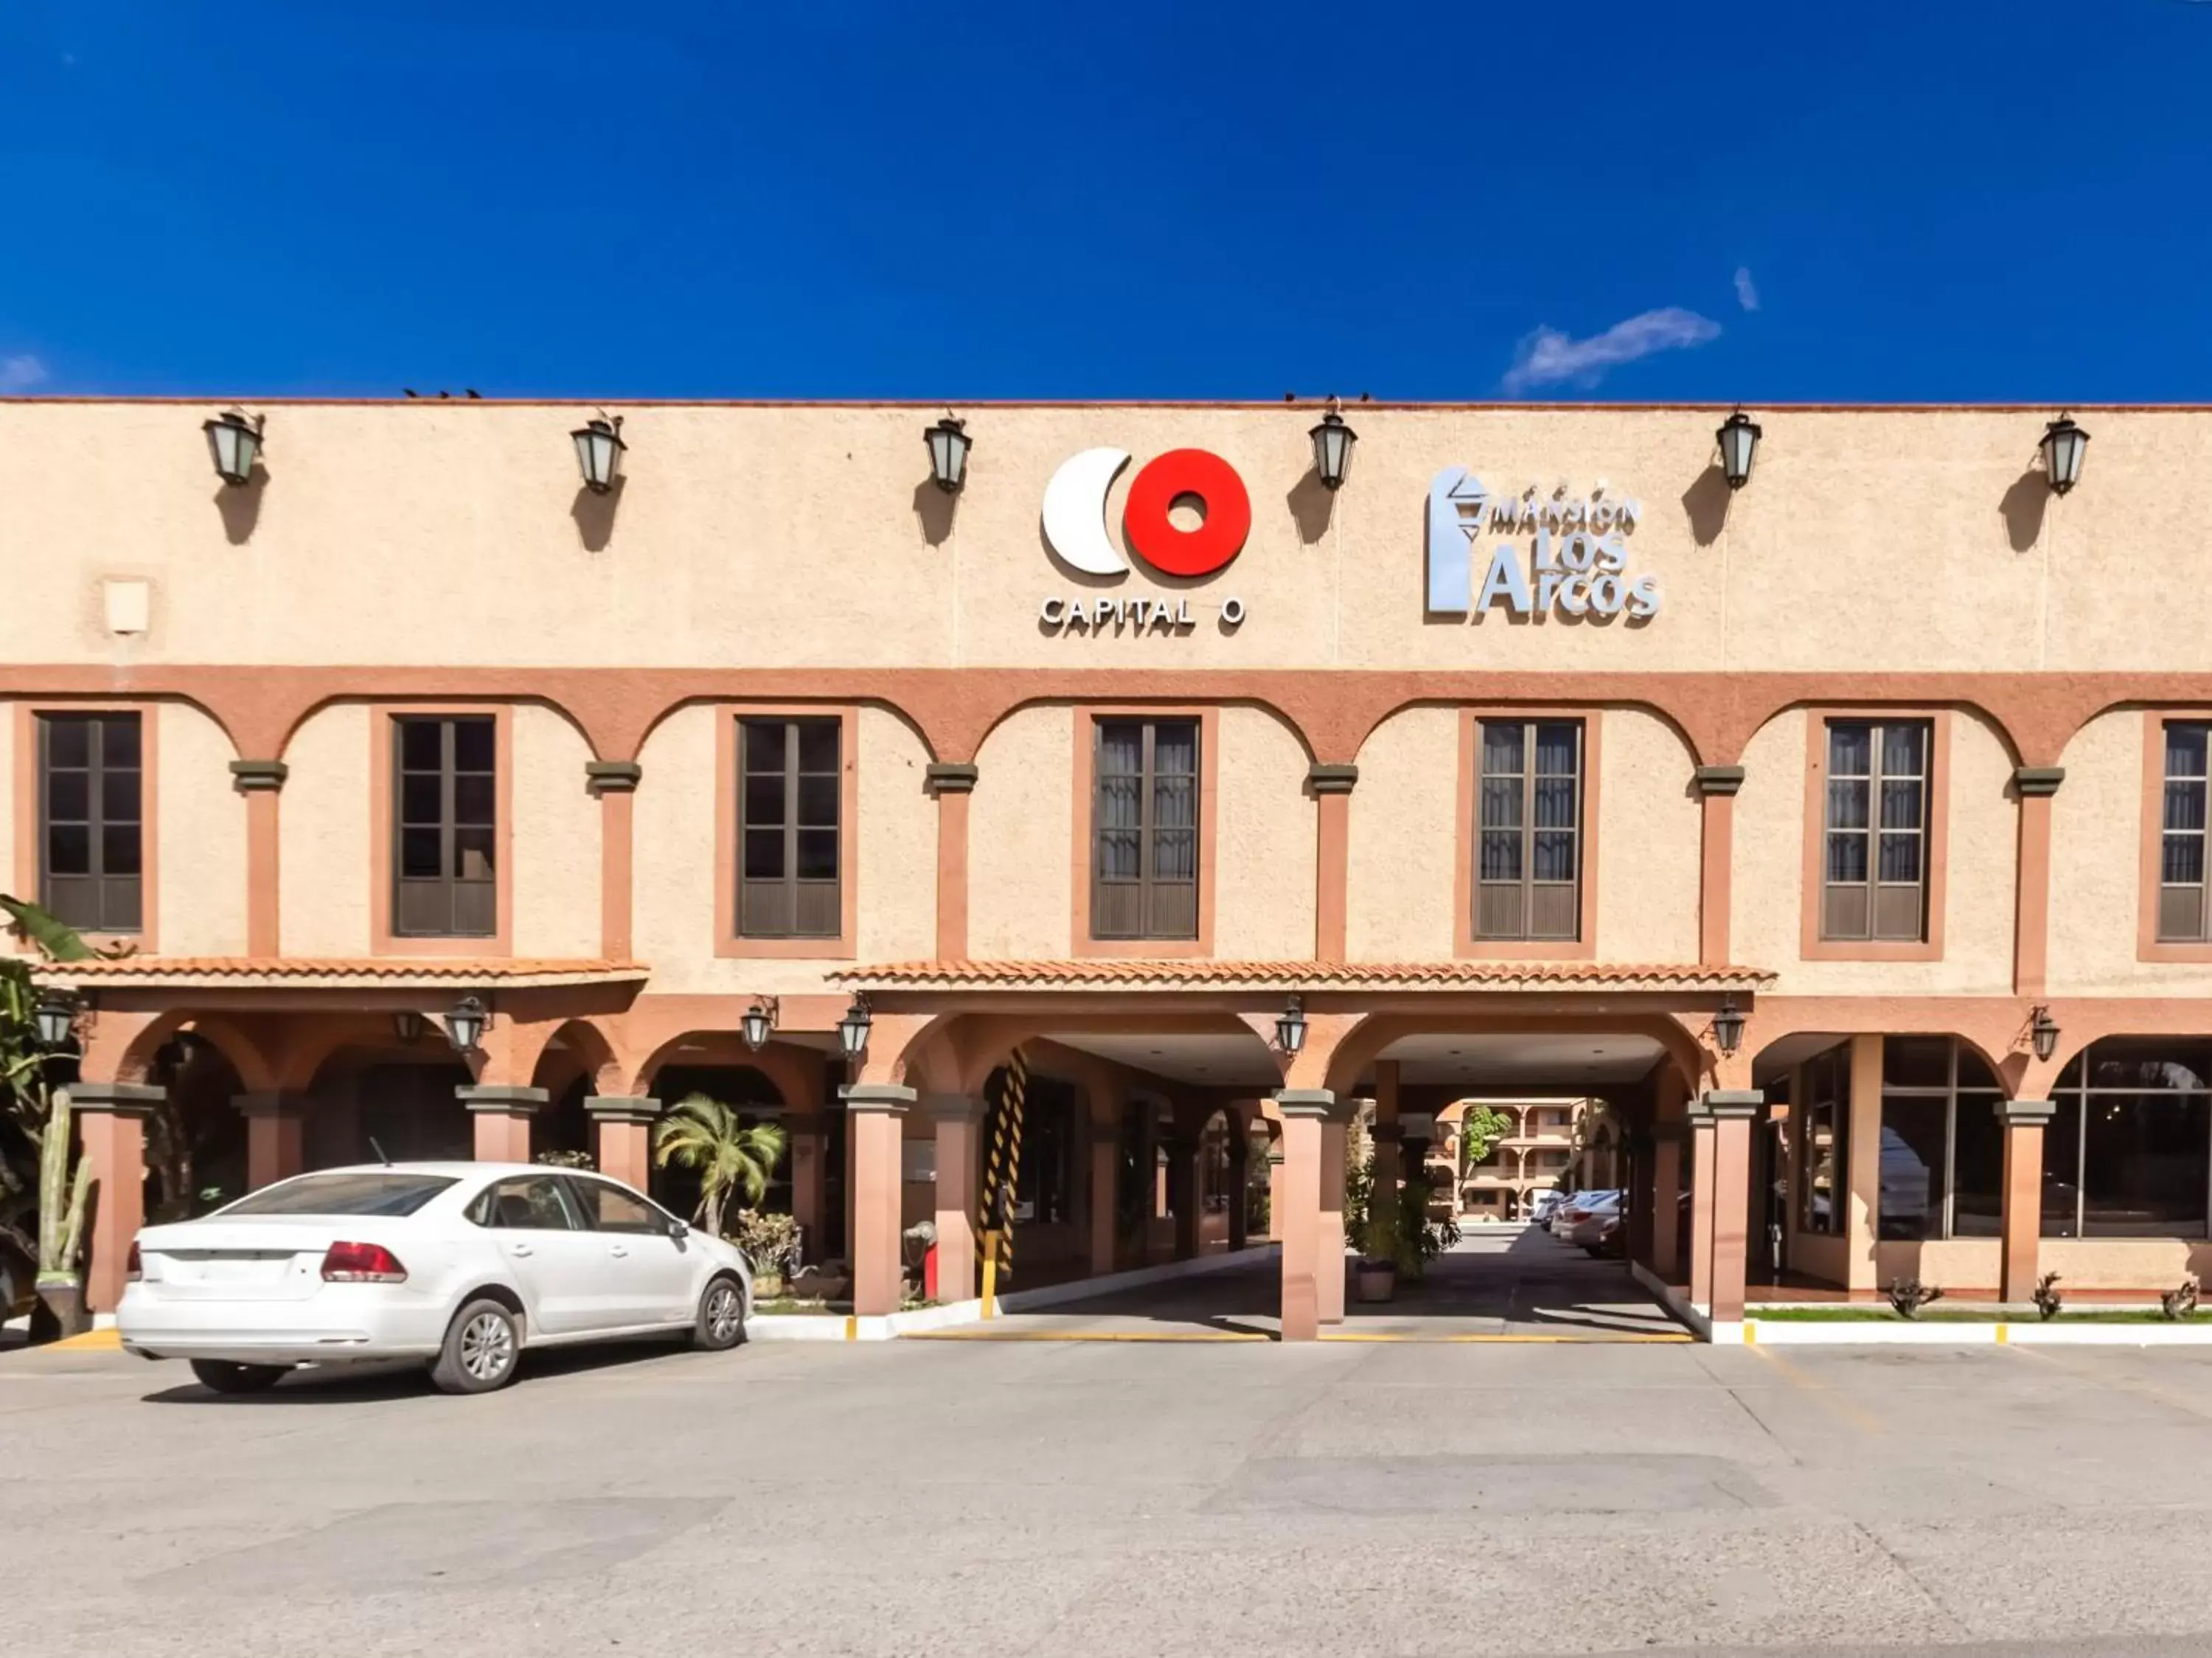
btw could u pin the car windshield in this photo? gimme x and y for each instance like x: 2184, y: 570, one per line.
x: 349, y: 1191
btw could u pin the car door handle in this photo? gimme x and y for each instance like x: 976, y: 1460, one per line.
x: 617, y: 1249
x: 520, y: 1249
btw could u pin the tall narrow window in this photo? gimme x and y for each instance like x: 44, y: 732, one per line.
x: 1529, y: 839
x: 2182, y: 915
x: 1875, y: 851
x: 91, y: 837
x: 789, y: 798
x: 1942, y: 1148
x: 445, y: 821
x: 1824, y: 1153
x: 1144, y: 818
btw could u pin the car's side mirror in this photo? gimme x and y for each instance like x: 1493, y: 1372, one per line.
x: 678, y: 1231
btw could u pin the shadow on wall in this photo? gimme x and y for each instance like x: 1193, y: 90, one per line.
x: 1309, y: 501
x: 240, y: 505
x: 595, y: 514
x: 932, y: 508
x: 1706, y: 502
x: 2023, y: 507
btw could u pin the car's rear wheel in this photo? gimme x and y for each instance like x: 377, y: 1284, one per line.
x: 721, y: 1323
x: 484, y: 1345
x: 220, y: 1376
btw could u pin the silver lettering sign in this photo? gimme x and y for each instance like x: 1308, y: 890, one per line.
x: 1572, y: 561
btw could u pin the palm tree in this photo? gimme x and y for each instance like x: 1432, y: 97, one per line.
x: 703, y: 1134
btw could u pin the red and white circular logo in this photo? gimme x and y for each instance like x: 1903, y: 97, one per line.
x: 1075, y: 513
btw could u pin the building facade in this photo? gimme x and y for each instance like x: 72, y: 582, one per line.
x: 1531, y: 760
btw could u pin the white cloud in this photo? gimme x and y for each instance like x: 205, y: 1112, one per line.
x: 1746, y: 295
x: 1547, y: 356
x: 20, y: 373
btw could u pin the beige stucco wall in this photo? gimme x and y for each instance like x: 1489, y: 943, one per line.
x: 673, y: 830
x: 323, y: 878
x: 1264, y: 841
x: 2096, y: 870
x: 555, y: 840
x: 7, y: 807
x: 1768, y: 883
x: 1021, y: 835
x: 1649, y: 841
x: 201, y: 844
x: 1404, y: 839
x: 1870, y: 539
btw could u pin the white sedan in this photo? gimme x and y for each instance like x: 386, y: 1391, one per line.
x: 460, y: 1264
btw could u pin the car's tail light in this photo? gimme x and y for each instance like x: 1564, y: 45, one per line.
x: 360, y: 1263
x: 133, y: 1268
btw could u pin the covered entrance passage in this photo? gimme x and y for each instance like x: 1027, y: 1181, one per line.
x: 1325, y: 1112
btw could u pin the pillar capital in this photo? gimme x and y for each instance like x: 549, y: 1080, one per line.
x: 954, y: 1107
x: 116, y: 1099
x: 504, y: 1101
x: 2024, y: 1113
x: 1326, y: 777
x: 612, y: 777
x: 258, y: 776
x: 2031, y: 781
x: 620, y: 1107
x: 1306, y: 1102
x: 949, y: 776
x: 1740, y: 1104
x: 889, y: 1098
x: 1718, y: 779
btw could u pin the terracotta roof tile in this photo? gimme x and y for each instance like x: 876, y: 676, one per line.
x: 246, y: 969
x: 1107, y: 973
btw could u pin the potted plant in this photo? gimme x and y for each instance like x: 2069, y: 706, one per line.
x: 771, y: 1244
x: 1387, y: 1251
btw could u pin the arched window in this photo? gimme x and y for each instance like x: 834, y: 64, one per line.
x: 2129, y: 1151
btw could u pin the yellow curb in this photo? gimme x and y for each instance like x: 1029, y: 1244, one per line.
x: 1624, y: 1339
x: 852, y: 1327
x: 102, y: 1341
x: 2004, y: 1335
x: 1751, y: 1332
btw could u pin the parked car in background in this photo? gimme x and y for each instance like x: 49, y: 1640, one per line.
x: 1579, y: 1207
x: 1546, y: 1205
x: 1599, y: 1231
x: 459, y: 1265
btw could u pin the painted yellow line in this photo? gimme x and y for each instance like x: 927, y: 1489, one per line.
x: 1086, y: 1335
x: 104, y: 1341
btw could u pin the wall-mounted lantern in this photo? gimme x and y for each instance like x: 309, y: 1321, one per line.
x: 949, y: 444
x: 234, y: 444
x: 407, y: 1026
x: 757, y: 1021
x: 55, y: 1015
x: 1738, y: 436
x: 1291, y: 1028
x: 1728, y: 1027
x: 853, y: 1029
x: 464, y: 1025
x: 2064, y: 445
x: 598, y: 452
x: 1332, y: 444
x: 2043, y: 1033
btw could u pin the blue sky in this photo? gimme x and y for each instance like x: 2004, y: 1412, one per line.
x: 1970, y: 199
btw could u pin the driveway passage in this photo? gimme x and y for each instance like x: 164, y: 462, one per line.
x: 1100, y: 1497
x: 1502, y: 1284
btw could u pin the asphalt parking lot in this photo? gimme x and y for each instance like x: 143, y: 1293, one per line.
x: 1110, y: 1497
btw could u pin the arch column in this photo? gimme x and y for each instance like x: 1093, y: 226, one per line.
x: 1703, y: 1170
x: 111, y: 1120
x: 1730, y: 1111
x: 621, y: 1125
x: 2019, y: 1260
x: 503, y: 1117
x: 276, y: 1136
x: 875, y: 1121
x: 1105, y: 1166
x: 1298, y: 1217
x: 958, y: 1121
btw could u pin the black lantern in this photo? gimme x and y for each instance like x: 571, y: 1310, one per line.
x: 949, y: 444
x: 464, y: 1025
x: 1728, y: 1026
x: 758, y: 1021
x: 1739, y: 438
x: 407, y: 1026
x: 2064, y: 444
x: 2043, y: 1032
x: 1333, y: 441
x: 1291, y: 1028
x: 235, y: 444
x: 853, y: 1029
x: 600, y: 452
x: 55, y: 1015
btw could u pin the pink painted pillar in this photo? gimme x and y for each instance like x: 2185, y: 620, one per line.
x: 623, y: 1136
x: 1298, y: 1218
x: 1703, y: 1170
x: 876, y: 1114
x: 1666, y: 1201
x: 503, y: 1117
x: 111, y: 1119
x: 1332, y: 1268
x: 276, y: 1136
x: 958, y: 1120
x: 1731, y: 1112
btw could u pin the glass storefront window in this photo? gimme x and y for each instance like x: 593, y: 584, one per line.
x: 1977, y: 1163
x: 2129, y: 1151
x: 1942, y: 1148
x: 1915, y: 1133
